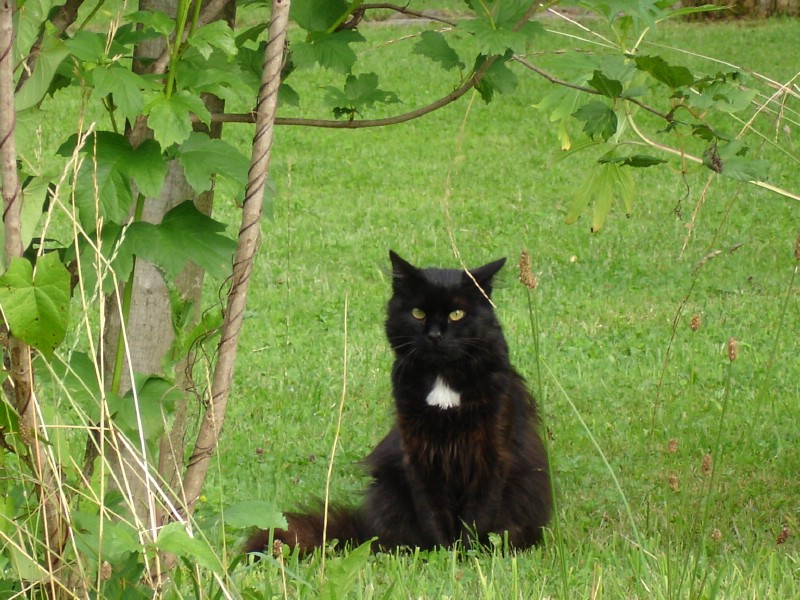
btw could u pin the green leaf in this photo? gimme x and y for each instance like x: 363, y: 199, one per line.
x: 156, y: 20
x: 745, y: 169
x: 502, y: 13
x: 35, y: 195
x: 634, y: 160
x: 606, y: 86
x: 492, y: 40
x: 106, y: 175
x: 76, y: 379
x: 562, y: 103
x: 87, y: 46
x: 604, y: 183
x: 94, y: 266
x: 603, y: 196
x: 202, y: 158
x: 233, y: 81
x: 102, y: 181
x: 317, y: 15
x: 724, y: 92
x: 729, y: 160
x: 36, y: 306
x: 625, y: 187
x: 170, y: 117
x: 103, y: 539
x: 183, y: 234
x: 599, y: 119
x: 674, y: 77
x: 251, y: 34
x: 148, y: 168
x: 360, y: 92
x: 433, y: 45
x: 342, y: 573
x: 704, y: 132
x: 216, y: 34
x: 124, y: 85
x: 52, y: 53
x: 329, y: 50
x: 288, y: 96
x: 498, y: 78
x: 28, y: 19
x: 146, y: 412
x: 9, y: 423
x: 254, y: 513
x: 174, y: 538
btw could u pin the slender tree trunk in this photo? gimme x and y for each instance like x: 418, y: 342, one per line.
x: 19, y: 356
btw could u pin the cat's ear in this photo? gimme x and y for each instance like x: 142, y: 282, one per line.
x: 484, y: 275
x: 403, y: 272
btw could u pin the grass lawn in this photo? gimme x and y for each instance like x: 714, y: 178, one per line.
x: 676, y: 470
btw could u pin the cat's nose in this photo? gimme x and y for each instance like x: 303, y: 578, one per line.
x: 434, y: 334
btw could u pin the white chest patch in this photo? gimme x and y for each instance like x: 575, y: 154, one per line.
x: 443, y: 396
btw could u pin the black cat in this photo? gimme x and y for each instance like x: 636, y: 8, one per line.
x: 464, y: 458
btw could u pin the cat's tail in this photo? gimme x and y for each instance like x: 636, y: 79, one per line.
x: 305, y: 531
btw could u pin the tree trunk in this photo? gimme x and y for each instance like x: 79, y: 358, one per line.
x: 20, y: 388
x: 148, y: 329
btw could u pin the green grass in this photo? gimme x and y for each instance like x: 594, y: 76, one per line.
x: 607, y: 304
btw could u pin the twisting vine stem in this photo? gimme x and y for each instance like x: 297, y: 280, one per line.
x: 249, y: 232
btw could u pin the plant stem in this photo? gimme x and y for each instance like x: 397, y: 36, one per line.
x: 180, y: 27
x: 533, y: 317
x: 335, y: 444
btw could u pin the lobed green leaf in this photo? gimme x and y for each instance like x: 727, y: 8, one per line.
x: 329, y: 50
x: 216, y: 34
x: 317, y: 15
x: 104, y: 180
x: 203, y: 157
x: 672, y: 76
x: 184, y: 234
x: 598, y: 118
x: 498, y: 78
x: 433, y: 45
x: 36, y: 304
x: 124, y: 86
x: 606, y: 86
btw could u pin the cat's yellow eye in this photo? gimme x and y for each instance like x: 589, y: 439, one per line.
x: 456, y: 315
x: 418, y: 314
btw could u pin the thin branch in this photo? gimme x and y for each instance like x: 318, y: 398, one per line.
x: 405, y: 11
x: 587, y: 90
x: 466, y: 86
x: 363, y: 123
x: 428, y: 108
x: 697, y: 160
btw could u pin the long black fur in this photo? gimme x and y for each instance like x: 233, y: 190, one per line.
x: 443, y: 475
